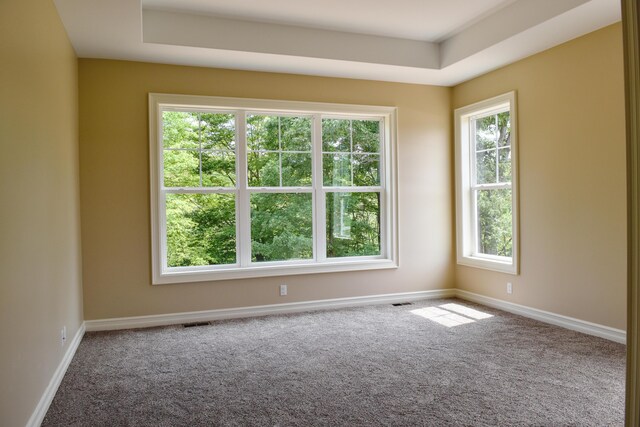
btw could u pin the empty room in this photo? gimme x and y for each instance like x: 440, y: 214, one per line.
x: 335, y: 213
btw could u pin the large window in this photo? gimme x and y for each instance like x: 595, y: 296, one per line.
x: 249, y: 188
x: 486, y: 166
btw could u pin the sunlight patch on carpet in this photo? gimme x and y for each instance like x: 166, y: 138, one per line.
x: 443, y: 317
x: 466, y: 311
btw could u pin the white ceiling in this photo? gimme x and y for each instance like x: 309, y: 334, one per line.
x: 440, y: 42
x: 425, y: 20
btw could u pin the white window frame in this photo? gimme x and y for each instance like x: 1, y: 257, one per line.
x: 466, y: 216
x: 161, y: 274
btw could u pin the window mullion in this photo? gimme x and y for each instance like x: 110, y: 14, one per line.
x: 384, y: 213
x: 473, y: 187
x: 472, y: 153
x: 319, y: 204
x: 497, y: 149
x: 243, y: 205
x: 499, y: 186
x: 280, y: 150
x: 475, y: 241
x: 200, y: 146
x: 351, y: 149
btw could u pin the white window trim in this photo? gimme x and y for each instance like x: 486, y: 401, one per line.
x: 245, y: 269
x: 465, y: 225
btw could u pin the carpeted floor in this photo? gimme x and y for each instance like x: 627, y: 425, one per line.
x: 425, y: 364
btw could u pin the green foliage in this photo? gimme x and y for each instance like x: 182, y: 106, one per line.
x: 218, y: 169
x: 201, y: 229
x: 181, y: 168
x: 366, y: 169
x: 494, y: 222
x: 336, y: 169
x: 493, y: 166
x: 351, y: 150
x: 336, y: 135
x: 199, y: 151
x: 281, y: 226
x: 180, y: 130
x: 296, y: 169
x: 366, y: 136
x: 279, y: 151
x: 353, y: 224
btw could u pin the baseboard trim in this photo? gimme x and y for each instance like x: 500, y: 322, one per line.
x: 41, y: 409
x: 134, y: 322
x: 49, y: 393
x: 583, y: 326
x: 261, y: 310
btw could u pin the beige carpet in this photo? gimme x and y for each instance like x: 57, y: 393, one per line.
x: 427, y: 364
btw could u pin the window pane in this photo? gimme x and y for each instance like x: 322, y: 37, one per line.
x: 486, y: 135
x: 218, y: 169
x: 336, y: 169
x: 366, y: 136
x: 180, y: 130
x: 504, y: 129
x: 296, y: 169
x: 201, y: 229
x: 366, y: 169
x: 295, y: 133
x: 504, y: 164
x: 263, y: 169
x: 263, y: 133
x: 486, y: 167
x: 336, y: 135
x: 494, y: 222
x: 218, y: 131
x: 181, y: 168
x: 281, y: 226
x: 353, y: 224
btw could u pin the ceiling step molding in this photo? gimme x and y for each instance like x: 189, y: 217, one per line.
x: 169, y: 32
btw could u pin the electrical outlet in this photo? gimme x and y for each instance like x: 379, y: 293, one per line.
x: 509, y: 288
x: 283, y: 290
x: 63, y: 335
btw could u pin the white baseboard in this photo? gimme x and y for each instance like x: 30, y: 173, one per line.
x: 583, y: 326
x: 606, y: 332
x: 39, y: 413
x: 261, y: 310
x: 47, y: 397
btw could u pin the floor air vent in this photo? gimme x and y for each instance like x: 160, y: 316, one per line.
x: 191, y: 325
x: 398, y: 304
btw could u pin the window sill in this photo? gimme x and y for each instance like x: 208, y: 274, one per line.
x: 509, y: 267
x: 270, y: 271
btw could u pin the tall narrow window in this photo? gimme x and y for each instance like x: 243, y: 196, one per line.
x: 199, y: 171
x: 250, y: 188
x: 486, y: 179
x: 351, y: 171
x: 280, y: 187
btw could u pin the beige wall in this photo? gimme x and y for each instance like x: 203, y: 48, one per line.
x: 114, y: 170
x: 572, y: 179
x: 572, y: 187
x: 40, y: 278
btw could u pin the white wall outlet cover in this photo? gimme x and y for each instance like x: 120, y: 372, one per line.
x: 283, y: 290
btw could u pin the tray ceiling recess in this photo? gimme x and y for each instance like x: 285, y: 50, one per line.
x: 439, y: 42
